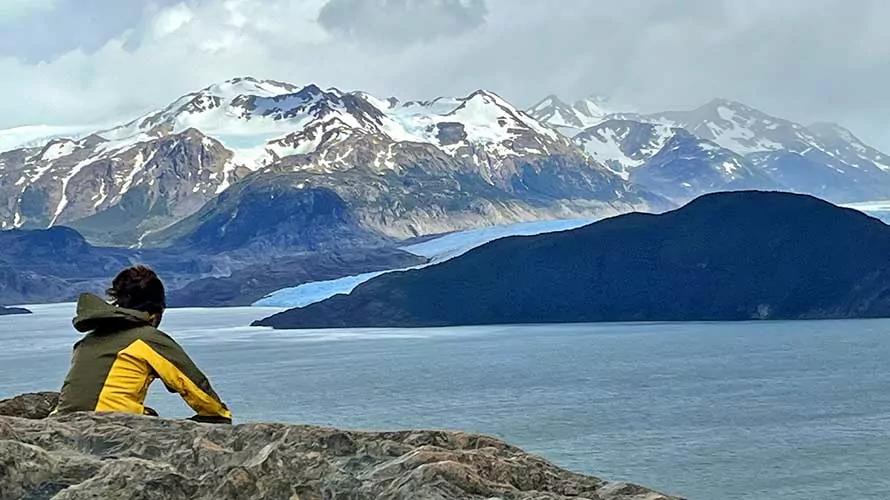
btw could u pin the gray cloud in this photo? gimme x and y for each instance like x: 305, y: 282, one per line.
x: 396, y: 22
x: 808, y: 60
x: 40, y: 35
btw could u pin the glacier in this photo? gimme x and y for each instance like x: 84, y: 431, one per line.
x: 436, y: 250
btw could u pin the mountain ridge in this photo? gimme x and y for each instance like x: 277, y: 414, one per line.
x: 102, y: 185
x: 824, y: 160
x: 446, y: 164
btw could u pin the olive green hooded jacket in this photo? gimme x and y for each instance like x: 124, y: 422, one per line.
x: 120, y: 356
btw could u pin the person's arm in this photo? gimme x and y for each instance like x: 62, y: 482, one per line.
x: 180, y: 374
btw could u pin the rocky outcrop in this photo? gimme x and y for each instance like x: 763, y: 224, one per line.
x: 89, y: 456
x: 36, y: 405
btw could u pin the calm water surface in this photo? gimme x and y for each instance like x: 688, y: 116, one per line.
x: 708, y: 411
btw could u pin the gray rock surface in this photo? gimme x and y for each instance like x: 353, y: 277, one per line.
x: 90, y: 456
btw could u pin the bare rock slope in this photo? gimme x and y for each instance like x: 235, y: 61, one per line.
x: 89, y: 456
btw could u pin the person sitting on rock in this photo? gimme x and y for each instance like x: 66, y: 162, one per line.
x: 123, y: 352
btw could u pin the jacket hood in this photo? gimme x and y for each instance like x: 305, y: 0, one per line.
x: 94, y: 313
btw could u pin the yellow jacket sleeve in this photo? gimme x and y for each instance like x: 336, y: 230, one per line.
x: 180, y: 374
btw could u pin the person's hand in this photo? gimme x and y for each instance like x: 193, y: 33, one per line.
x: 210, y: 420
x: 150, y: 412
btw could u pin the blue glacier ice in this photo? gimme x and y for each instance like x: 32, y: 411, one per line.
x: 437, y: 250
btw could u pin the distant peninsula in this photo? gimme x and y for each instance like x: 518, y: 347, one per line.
x: 731, y: 256
x: 8, y: 311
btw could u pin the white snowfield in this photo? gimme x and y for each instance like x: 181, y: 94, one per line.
x: 261, y: 121
x: 38, y: 135
x: 437, y: 250
x: 571, y: 119
x: 604, y: 144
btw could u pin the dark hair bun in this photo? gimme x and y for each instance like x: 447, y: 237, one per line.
x: 138, y: 288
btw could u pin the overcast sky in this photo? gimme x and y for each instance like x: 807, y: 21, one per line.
x: 66, y: 62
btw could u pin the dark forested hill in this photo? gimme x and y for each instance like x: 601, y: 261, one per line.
x: 725, y: 256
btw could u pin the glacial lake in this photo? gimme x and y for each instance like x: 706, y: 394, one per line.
x: 772, y: 410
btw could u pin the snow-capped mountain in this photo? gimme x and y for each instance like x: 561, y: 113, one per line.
x: 128, y: 190
x: 824, y: 160
x: 841, y: 143
x: 413, y: 169
x: 264, y: 121
x: 30, y: 136
x: 623, y: 145
x: 669, y: 160
x: 688, y: 166
x: 736, y: 126
x: 570, y: 120
x: 474, y: 160
x: 260, y: 161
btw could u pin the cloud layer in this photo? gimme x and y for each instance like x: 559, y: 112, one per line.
x: 67, y: 61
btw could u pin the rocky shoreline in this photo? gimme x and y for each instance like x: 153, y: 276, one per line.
x: 90, y: 455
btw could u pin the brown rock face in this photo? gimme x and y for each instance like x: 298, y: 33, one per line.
x: 89, y: 456
x: 113, y: 195
x: 33, y: 406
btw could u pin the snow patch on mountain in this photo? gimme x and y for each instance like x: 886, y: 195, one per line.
x: 262, y: 122
x: 595, y: 108
x: 138, y: 164
x: 63, y: 202
x: 736, y: 132
x: 58, y: 149
x: 486, y: 118
x: 38, y: 135
x: 606, y: 149
x: 244, y: 114
x: 623, y: 145
x: 572, y: 119
x: 233, y: 88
